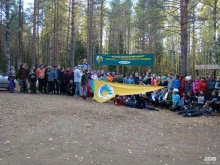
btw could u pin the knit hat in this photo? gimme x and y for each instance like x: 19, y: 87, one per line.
x: 164, y: 77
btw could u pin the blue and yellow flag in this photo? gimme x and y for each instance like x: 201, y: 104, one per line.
x: 104, y: 91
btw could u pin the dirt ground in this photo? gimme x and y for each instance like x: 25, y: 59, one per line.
x: 62, y: 130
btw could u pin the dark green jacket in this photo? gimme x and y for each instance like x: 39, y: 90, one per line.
x: 84, y: 80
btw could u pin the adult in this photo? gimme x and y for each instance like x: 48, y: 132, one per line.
x: 77, y: 80
x: 153, y: 80
x: 67, y: 76
x: 50, y: 79
x: 45, y: 80
x: 56, y: 81
x: 147, y: 80
x: 176, y: 83
x: 210, y: 84
x: 131, y: 80
x: 94, y: 75
x: 202, y: 85
x: 40, y: 75
x: 170, y: 80
x: 188, y: 85
x: 136, y: 78
x: 110, y: 77
x: 61, y: 80
x: 195, y: 85
x: 149, y: 73
x: 85, y: 65
x: 125, y: 79
x: 84, y: 82
x: 23, y: 75
x: 163, y: 81
x: 100, y: 78
x: 182, y: 85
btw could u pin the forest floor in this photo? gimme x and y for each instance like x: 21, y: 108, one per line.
x: 61, y: 130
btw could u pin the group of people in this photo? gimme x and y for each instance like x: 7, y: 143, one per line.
x: 187, y: 95
x: 51, y: 80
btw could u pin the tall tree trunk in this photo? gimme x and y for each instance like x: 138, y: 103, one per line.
x: 55, y: 30
x: 214, y: 35
x: 34, y: 34
x: 38, y: 35
x: 57, y: 35
x: 88, y: 31
x: 7, y: 34
x: 101, y: 26
x: 73, y: 42
x: 173, y: 55
x: 68, y: 32
x: 20, y: 47
x: 90, y: 44
x: 188, y: 51
x: 193, y: 41
x: 184, y: 39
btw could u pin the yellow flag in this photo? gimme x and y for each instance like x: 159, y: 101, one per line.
x: 104, y: 91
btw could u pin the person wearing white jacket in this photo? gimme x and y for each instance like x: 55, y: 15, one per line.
x: 77, y: 80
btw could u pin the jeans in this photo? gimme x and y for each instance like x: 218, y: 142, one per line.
x: 77, y: 88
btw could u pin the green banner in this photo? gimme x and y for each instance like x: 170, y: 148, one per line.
x: 125, y: 59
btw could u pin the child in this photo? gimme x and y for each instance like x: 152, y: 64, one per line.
x: 201, y: 99
x: 11, y: 77
x: 175, y: 100
x: 32, y: 80
x: 163, y: 98
x: 168, y: 97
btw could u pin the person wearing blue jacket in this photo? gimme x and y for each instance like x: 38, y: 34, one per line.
x: 175, y: 100
x: 50, y: 79
x: 131, y: 80
x: 56, y: 81
x: 176, y: 82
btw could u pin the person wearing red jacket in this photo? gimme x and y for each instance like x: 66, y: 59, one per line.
x: 182, y: 85
x: 118, y: 101
x: 202, y: 85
